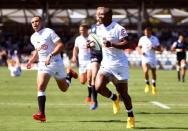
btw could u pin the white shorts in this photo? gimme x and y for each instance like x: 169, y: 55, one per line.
x: 57, y: 70
x: 83, y: 67
x: 116, y: 74
x: 152, y: 63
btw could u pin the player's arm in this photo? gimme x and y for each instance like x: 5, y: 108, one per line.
x: 157, y: 48
x: 75, y: 54
x: 57, y: 50
x: 123, y: 44
x: 139, y: 49
x: 173, y: 47
x: 33, y: 58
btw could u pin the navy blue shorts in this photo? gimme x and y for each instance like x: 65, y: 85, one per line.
x: 96, y: 58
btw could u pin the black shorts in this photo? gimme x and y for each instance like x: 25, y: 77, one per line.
x: 181, y: 56
x: 96, y: 58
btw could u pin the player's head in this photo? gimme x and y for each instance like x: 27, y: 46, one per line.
x: 83, y: 29
x: 36, y: 23
x: 105, y: 15
x: 97, y: 15
x: 148, y: 31
x: 181, y: 38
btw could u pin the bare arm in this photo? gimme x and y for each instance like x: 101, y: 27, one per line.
x: 139, y: 49
x: 75, y: 55
x: 123, y: 44
x: 33, y: 58
x: 57, y: 50
x: 157, y: 48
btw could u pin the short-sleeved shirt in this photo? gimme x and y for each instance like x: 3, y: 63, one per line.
x: 147, y: 43
x: 84, y: 52
x: 112, y: 57
x: 43, y: 41
x: 180, y: 54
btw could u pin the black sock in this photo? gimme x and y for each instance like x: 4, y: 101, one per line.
x: 130, y: 113
x: 94, y: 93
x: 147, y: 82
x: 68, y: 78
x: 41, y: 103
x: 183, y: 78
x: 154, y: 84
x: 89, y: 91
x: 179, y: 78
x: 113, y: 96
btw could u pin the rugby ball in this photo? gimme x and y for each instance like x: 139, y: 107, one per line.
x: 95, y: 41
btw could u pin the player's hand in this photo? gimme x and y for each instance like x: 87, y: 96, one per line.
x: 73, y: 60
x: 107, y: 43
x: 179, y: 50
x: 90, y: 44
x: 28, y: 65
x: 47, y: 62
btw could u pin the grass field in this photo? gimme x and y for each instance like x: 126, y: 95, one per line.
x: 68, y: 112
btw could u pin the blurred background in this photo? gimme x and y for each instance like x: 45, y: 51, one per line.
x: 168, y: 18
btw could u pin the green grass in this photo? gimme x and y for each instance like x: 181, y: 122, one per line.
x: 68, y: 112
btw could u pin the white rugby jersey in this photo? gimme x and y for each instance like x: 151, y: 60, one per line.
x: 43, y: 42
x: 84, y: 52
x: 112, y: 57
x: 147, y: 43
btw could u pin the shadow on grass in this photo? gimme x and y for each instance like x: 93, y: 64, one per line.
x: 151, y: 128
x: 107, y: 121
x: 162, y: 113
x: 100, y: 121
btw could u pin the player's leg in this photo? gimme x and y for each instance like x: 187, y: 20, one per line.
x: 63, y: 80
x: 84, y: 72
x: 122, y: 88
x: 94, y: 68
x: 145, y: 68
x: 154, y: 77
x: 100, y: 86
x: 42, y: 81
x: 178, y: 70
x: 89, y: 79
x: 183, y: 69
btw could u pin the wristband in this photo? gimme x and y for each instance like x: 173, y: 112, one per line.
x: 111, y: 44
x: 51, y: 55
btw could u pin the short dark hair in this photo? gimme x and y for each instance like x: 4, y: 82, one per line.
x: 148, y: 28
x: 40, y: 18
x: 85, y: 26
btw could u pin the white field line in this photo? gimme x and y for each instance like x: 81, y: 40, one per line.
x: 161, y: 105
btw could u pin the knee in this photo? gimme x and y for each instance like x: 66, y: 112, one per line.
x: 97, y: 88
x: 183, y: 66
x: 82, y: 82
x: 64, y: 89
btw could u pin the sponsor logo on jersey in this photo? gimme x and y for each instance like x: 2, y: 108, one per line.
x: 42, y: 47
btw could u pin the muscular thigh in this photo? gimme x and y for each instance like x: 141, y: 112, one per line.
x: 101, y: 80
x: 145, y: 67
x: 42, y: 81
x: 83, y: 78
x: 122, y: 87
x: 95, y: 67
x: 183, y: 63
x: 62, y: 84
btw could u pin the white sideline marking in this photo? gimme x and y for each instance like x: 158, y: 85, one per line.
x: 160, y: 104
